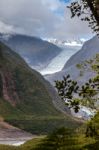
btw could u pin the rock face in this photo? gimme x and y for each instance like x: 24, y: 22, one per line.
x: 36, y: 52
x: 88, y: 51
x: 26, y: 99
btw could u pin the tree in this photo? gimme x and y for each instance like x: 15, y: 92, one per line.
x: 85, y: 95
x: 66, y: 90
x: 88, y: 93
x: 87, y: 10
x: 93, y: 127
x: 74, y: 96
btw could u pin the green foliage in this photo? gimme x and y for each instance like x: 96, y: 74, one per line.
x: 89, y: 65
x: 95, y: 67
x: 93, y: 146
x: 69, y: 90
x: 59, y: 139
x: 34, y: 110
x: 79, y: 66
x: 66, y: 89
x: 97, y: 57
x: 75, y: 104
x: 43, y: 124
x: 93, y: 127
x: 86, y: 10
x: 88, y: 92
x: 6, y: 147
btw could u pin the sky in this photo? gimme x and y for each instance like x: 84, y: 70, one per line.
x: 41, y: 18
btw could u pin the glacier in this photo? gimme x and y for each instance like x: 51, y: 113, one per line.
x: 58, y: 62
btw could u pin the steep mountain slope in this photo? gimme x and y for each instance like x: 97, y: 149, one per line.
x: 88, y: 51
x: 36, y: 52
x: 26, y: 98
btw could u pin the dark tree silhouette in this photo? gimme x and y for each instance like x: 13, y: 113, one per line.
x: 66, y: 90
x: 87, y: 10
x: 69, y: 91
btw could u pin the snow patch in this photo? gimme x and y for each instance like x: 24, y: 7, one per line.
x: 84, y: 113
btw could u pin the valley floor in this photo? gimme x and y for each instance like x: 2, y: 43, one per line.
x: 10, y: 135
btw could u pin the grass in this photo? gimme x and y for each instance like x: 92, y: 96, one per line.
x: 43, y: 125
x: 34, y: 110
x: 60, y: 139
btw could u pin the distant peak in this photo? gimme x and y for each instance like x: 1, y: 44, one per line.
x: 72, y: 42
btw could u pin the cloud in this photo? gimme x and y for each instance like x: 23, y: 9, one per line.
x: 6, y: 28
x: 43, y: 18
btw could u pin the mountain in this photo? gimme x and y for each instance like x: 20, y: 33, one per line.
x: 26, y: 99
x: 73, y: 42
x: 87, y: 52
x: 37, y: 52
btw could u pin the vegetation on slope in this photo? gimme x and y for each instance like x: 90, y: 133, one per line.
x: 33, y: 110
x: 37, y: 51
x: 25, y: 100
x: 60, y: 139
x: 91, y: 65
x: 75, y: 95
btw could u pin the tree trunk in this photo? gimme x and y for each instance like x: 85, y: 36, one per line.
x: 94, y: 10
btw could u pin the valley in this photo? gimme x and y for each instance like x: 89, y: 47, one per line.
x: 49, y: 75
x: 87, y: 52
x: 10, y: 135
x: 32, y: 105
x: 27, y: 100
x: 36, y: 52
x: 58, y: 62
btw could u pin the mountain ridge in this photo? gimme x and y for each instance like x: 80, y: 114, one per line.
x: 26, y: 98
x: 36, y: 52
x: 88, y: 51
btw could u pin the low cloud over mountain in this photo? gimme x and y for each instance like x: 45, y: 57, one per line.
x: 36, y: 52
x: 42, y: 18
